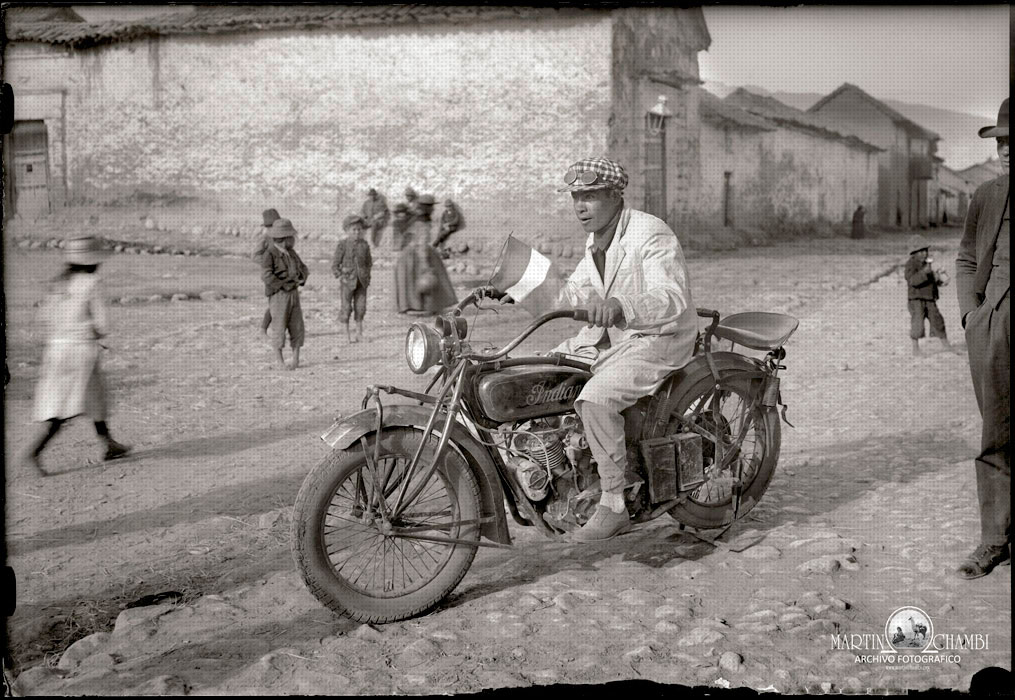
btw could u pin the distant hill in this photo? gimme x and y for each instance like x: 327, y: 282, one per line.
x: 959, y: 145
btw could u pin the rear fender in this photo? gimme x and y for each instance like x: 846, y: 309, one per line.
x: 698, y: 369
x: 345, y: 433
x: 648, y: 422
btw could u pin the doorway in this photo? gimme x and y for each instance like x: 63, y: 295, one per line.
x: 655, y: 174
x: 727, y: 199
x: 30, y: 168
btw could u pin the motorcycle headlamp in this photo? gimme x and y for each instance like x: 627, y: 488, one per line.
x: 422, y: 348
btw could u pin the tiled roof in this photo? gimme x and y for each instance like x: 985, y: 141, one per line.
x: 41, y: 13
x: 784, y: 115
x: 711, y: 108
x: 950, y: 178
x: 237, y: 18
x: 850, y: 90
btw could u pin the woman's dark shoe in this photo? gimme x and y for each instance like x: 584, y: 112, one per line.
x: 983, y: 560
x: 115, y: 450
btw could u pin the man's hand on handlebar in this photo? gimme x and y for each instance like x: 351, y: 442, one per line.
x: 604, y: 313
x: 490, y: 292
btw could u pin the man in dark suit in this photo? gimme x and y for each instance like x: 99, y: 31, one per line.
x: 982, y: 279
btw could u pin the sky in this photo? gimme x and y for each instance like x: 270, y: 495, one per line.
x: 951, y: 57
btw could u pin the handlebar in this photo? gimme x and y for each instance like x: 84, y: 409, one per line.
x: 576, y: 314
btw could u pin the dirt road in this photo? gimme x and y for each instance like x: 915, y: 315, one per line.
x: 871, y: 508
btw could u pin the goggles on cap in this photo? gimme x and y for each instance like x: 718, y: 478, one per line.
x: 586, y: 177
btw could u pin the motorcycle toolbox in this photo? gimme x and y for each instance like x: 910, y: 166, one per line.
x: 673, y: 463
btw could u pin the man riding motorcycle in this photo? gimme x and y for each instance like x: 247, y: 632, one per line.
x: 634, y: 285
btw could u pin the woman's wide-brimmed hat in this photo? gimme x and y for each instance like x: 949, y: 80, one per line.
x: 426, y: 199
x: 999, y: 129
x: 283, y: 228
x: 84, y: 250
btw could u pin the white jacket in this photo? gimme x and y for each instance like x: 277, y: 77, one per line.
x: 645, y: 271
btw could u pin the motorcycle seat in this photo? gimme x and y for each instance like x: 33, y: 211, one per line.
x: 758, y: 330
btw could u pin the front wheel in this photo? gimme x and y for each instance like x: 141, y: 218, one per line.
x: 362, y: 560
x: 711, y: 505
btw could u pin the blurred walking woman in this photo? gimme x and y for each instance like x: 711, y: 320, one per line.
x: 70, y: 381
x: 421, y: 281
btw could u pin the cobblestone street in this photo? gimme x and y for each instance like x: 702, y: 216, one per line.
x: 871, y: 508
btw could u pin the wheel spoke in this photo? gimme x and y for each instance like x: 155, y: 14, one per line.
x: 358, y: 548
x: 388, y: 565
x: 734, y: 426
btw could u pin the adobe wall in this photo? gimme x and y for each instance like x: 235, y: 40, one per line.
x: 783, y: 181
x: 488, y: 114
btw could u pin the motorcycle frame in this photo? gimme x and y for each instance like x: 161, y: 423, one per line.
x: 502, y: 483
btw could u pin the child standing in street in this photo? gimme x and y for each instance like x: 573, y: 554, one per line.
x: 351, y: 265
x: 283, y: 273
x: 70, y: 381
x: 923, y: 281
x: 268, y: 217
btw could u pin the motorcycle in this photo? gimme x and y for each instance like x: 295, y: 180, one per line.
x: 389, y: 522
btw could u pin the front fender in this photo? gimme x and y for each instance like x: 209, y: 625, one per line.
x: 346, y: 432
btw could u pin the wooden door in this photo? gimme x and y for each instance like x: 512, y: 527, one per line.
x: 30, y: 162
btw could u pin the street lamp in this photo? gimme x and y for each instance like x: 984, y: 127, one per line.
x: 655, y: 118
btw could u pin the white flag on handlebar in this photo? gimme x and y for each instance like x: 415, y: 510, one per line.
x: 528, y: 276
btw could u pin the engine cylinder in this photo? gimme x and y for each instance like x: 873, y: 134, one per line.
x: 547, y: 451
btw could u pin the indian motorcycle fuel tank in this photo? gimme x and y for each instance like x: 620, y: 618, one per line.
x: 529, y: 391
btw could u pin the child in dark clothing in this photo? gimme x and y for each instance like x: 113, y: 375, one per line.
x: 283, y: 273
x: 351, y: 265
x: 268, y: 217
x: 923, y: 281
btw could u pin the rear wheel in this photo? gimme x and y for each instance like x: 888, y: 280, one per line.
x: 711, y: 504
x: 359, y: 560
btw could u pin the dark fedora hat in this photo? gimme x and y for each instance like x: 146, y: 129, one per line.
x: 269, y: 216
x: 353, y: 220
x: 282, y: 228
x: 918, y: 243
x: 1001, y: 129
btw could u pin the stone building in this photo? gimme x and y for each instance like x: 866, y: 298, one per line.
x: 906, y: 163
x: 982, y: 172
x: 954, y: 192
x: 303, y: 108
x: 769, y: 167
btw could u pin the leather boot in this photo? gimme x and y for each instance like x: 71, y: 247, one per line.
x: 983, y: 560
x: 603, y: 525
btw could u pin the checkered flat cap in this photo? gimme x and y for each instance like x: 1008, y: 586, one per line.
x: 594, y: 174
